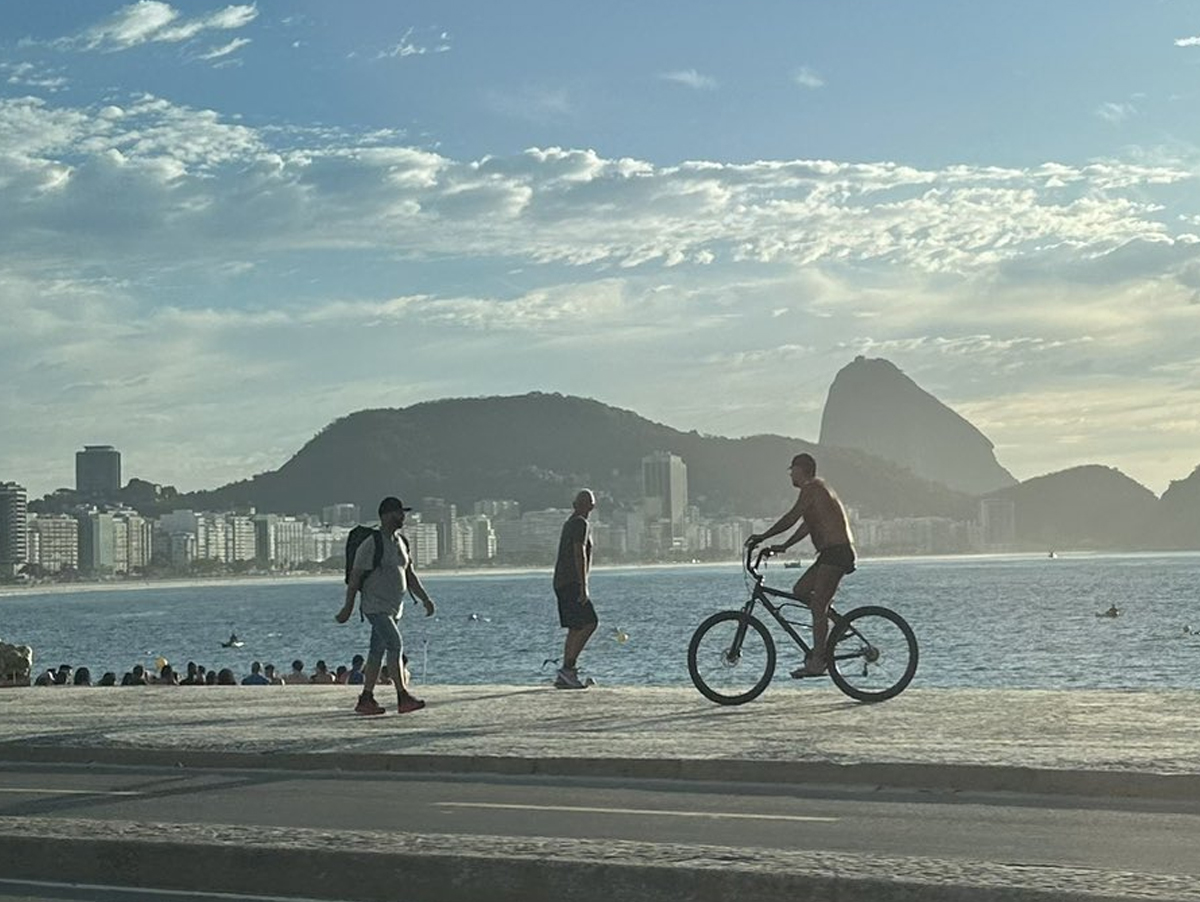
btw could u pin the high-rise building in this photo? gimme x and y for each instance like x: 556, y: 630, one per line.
x: 14, y: 539
x: 437, y: 511
x: 98, y: 471
x: 422, y: 542
x: 664, y: 486
x: 134, y: 537
x: 240, y: 544
x: 97, y: 542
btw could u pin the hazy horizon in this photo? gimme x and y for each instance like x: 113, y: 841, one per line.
x: 230, y: 225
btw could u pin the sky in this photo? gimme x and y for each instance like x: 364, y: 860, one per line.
x: 223, y: 227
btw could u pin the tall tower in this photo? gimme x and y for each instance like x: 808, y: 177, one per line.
x: 664, y: 485
x: 98, y: 471
x: 14, y: 540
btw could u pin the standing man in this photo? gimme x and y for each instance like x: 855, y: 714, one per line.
x: 822, y: 517
x: 571, y: 570
x: 383, y: 580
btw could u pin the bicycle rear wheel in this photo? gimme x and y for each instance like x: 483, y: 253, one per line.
x: 731, y: 658
x: 872, y: 654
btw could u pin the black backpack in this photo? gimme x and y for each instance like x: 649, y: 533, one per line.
x: 358, y: 535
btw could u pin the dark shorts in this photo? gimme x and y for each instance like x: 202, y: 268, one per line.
x: 840, y: 556
x: 572, y: 614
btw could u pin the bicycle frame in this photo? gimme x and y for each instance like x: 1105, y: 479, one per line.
x: 762, y: 594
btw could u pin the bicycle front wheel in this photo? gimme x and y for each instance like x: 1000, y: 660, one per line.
x: 872, y: 654
x: 731, y: 658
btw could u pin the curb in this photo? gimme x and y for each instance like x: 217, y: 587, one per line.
x: 374, y: 867
x: 880, y: 775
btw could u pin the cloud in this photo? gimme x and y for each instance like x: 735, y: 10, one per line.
x: 691, y: 78
x: 1188, y: 42
x: 1115, y: 112
x: 807, y: 78
x: 407, y: 46
x: 225, y: 49
x: 153, y: 21
x: 160, y: 238
x: 33, y: 75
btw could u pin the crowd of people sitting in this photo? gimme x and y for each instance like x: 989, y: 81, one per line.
x: 163, y: 674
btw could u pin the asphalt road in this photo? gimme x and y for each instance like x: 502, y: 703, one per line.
x: 1149, y: 837
x: 49, y: 891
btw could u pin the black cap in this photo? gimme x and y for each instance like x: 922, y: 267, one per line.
x: 391, y: 503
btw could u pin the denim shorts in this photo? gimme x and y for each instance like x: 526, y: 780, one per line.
x: 385, y: 636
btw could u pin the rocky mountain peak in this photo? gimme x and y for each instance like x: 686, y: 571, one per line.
x: 874, y: 407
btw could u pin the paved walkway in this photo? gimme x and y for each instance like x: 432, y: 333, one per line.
x: 1094, y: 731
x: 1096, y: 743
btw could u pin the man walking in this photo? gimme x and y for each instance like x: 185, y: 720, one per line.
x: 822, y: 517
x: 571, y: 570
x: 382, y: 571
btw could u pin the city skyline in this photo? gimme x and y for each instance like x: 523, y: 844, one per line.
x: 238, y: 223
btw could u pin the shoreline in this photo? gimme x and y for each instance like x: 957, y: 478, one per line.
x: 434, y: 574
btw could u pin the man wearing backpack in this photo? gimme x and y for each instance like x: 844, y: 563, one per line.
x: 382, y: 571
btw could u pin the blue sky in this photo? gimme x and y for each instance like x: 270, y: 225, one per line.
x: 223, y: 226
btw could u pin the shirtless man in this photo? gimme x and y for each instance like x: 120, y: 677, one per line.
x: 822, y: 517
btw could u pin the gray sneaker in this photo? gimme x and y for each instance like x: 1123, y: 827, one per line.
x: 567, y: 679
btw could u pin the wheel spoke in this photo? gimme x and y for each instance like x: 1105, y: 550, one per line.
x: 724, y: 670
x: 874, y: 654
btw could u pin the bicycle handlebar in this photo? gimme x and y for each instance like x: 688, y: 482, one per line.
x: 763, y: 552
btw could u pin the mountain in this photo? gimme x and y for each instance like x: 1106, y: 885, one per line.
x: 540, y: 448
x: 1179, y: 526
x: 1084, y: 507
x: 874, y: 407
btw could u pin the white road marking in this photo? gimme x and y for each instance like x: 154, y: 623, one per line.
x: 149, y: 891
x: 36, y: 791
x: 580, y: 809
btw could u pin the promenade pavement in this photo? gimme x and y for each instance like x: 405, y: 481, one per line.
x: 1097, y: 743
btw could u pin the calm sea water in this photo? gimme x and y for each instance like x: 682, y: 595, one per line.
x: 1011, y: 621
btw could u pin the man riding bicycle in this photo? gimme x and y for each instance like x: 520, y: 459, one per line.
x: 823, y: 519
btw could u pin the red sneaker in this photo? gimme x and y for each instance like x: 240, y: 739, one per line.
x: 368, y: 705
x: 410, y: 703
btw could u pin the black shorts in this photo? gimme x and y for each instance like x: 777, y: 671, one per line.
x: 572, y: 614
x: 840, y: 556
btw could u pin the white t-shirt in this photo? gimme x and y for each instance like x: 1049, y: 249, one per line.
x: 384, y: 587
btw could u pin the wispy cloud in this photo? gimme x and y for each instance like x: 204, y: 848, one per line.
x: 225, y: 49
x: 807, y: 78
x: 1115, y: 112
x: 691, y: 78
x: 407, y: 46
x: 1188, y: 42
x: 153, y: 21
x: 31, y: 75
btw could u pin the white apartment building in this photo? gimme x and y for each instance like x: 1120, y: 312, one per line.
x: 54, y: 542
x: 422, y: 542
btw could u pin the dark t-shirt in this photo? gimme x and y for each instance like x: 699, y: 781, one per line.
x: 576, y: 531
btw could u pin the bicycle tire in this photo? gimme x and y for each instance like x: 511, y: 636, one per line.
x: 765, y: 654
x: 860, y: 653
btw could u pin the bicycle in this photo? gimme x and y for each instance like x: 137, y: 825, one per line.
x: 871, y: 652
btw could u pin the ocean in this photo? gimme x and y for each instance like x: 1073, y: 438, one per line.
x: 1012, y: 621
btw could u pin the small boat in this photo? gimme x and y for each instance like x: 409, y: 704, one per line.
x: 1114, y: 611
x: 1052, y: 555
x: 232, y: 642
x: 792, y: 565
